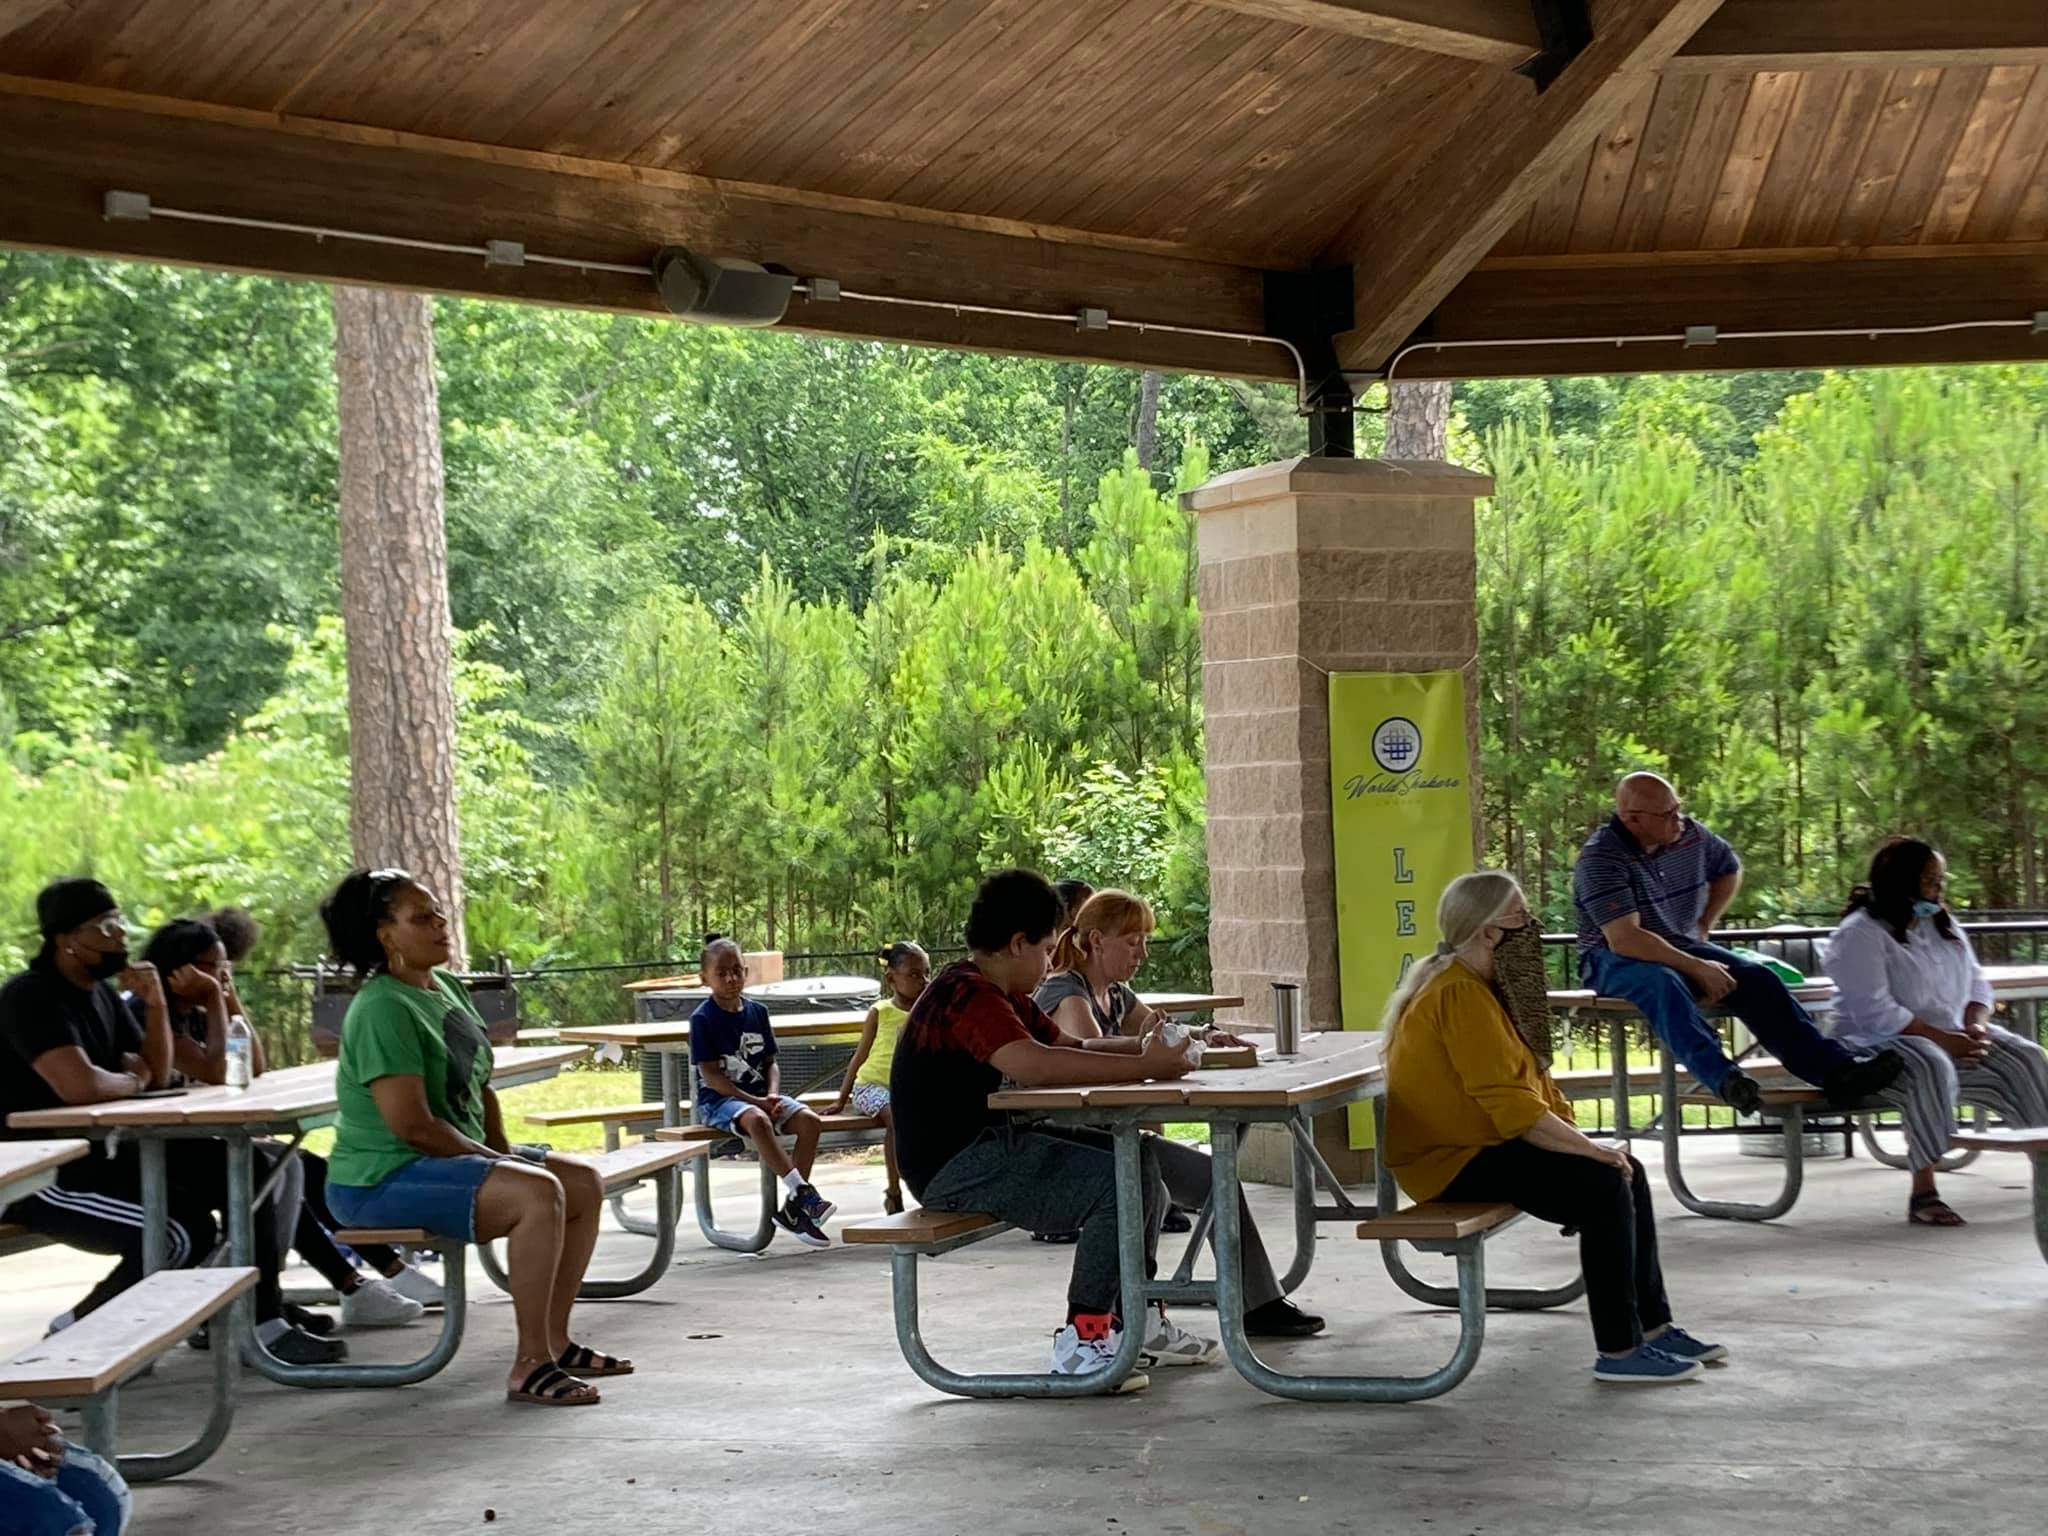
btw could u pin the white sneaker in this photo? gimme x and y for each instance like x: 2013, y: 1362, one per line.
x: 418, y: 1286
x: 1170, y: 1344
x: 1076, y: 1354
x: 376, y: 1303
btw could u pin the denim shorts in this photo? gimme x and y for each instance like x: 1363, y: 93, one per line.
x: 869, y: 1098
x: 85, y: 1495
x: 724, y: 1114
x: 438, y: 1193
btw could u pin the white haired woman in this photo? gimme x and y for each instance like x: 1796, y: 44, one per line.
x: 1472, y: 1117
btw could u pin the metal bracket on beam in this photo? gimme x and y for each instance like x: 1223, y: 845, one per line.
x: 1311, y: 309
x: 504, y: 253
x: 822, y: 290
x: 1091, y: 320
x: 125, y: 205
x: 1702, y: 335
x: 2041, y: 322
x: 1566, y: 27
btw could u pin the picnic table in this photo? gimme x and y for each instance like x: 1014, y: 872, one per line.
x: 285, y: 1103
x: 1330, y: 1071
x: 2010, y: 983
x: 27, y: 1166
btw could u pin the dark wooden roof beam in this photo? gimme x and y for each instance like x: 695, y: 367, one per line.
x: 1410, y: 248
x: 1750, y: 35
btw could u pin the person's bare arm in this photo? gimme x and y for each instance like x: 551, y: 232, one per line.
x: 1627, y: 937
x: 74, y: 1079
x: 868, y: 1026
x: 1142, y: 1019
x: 206, y: 1060
x: 1031, y: 1065
x: 1553, y: 1133
x: 1720, y: 896
x: 402, y: 1102
x: 1077, y: 1020
x: 494, y: 1123
x: 142, y: 980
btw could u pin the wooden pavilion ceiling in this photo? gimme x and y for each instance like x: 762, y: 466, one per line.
x: 1747, y: 164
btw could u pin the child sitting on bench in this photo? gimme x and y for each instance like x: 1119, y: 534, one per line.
x: 907, y: 969
x: 732, y: 1045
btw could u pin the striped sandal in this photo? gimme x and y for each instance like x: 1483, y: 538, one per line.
x: 585, y: 1361
x: 549, y: 1386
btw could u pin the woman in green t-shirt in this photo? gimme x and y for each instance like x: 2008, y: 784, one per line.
x: 419, y: 1140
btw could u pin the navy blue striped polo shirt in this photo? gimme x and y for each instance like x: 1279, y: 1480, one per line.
x: 1667, y: 890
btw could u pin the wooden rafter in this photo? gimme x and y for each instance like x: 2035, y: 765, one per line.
x: 1898, y: 34
x: 1410, y: 248
x: 69, y: 146
x: 1491, y: 31
x: 1524, y: 302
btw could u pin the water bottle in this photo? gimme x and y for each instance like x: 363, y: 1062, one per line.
x: 241, y: 1044
x: 1182, y: 1039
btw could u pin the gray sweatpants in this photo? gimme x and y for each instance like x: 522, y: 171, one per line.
x: 1056, y: 1179
x: 2012, y: 1079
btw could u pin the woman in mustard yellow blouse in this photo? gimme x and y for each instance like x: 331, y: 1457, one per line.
x: 1472, y: 1117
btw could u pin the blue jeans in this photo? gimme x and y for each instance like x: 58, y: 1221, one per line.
x: 1760, y: 1000
x: 85, y: 1498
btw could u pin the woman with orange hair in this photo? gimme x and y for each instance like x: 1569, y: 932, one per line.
x: 1089, y: 995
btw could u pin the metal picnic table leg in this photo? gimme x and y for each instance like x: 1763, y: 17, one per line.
x: 1507, y: 1299
x: 2040, y: 1162
x: 672, y: 1113
x: 1617, y: 1057
x: 1347, y: 1389
x: 102, y: 1414
x: 241, y: 1327
x: 1793, y: 1137
x: 156, y: 1204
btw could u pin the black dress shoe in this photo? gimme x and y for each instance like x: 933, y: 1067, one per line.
x: 319, y: 1324
x: 1176, y: 1220
x: 1281, y: 1319
x: 1056, y: 1237
x: 1860, y: 1079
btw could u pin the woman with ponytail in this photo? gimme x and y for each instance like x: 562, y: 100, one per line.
x: 1471, y: 1117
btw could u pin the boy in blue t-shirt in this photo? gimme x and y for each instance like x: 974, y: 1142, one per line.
x: 732, y: 1046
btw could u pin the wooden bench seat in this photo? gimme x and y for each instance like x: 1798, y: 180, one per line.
x: 2023, y: 1138
x: 109, y: 1345
x: 917, y: 1228
x: 630, y: 1165
x: 832, y: 1123
x: 1774, y: 1098
x: 1437, y: 1221
x: 604, y: 1114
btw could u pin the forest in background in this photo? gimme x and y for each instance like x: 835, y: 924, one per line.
x: 793, y: 637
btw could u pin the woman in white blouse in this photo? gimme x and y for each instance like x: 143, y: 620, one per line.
x: 1906, y: 978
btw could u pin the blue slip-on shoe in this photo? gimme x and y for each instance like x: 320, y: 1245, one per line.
x: 1675, y: 1341
x: 1645, y: 1366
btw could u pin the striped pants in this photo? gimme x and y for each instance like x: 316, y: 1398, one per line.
x: 2011, y: 1079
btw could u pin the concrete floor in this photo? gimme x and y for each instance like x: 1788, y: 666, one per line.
x: 1883, y: 1379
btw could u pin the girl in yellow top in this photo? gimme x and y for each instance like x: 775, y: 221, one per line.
x: 906, y: 971
x: 1471, y: 1117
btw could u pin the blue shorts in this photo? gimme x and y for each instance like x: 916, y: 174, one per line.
x: 86, y: 1495
x: 724, y: 1114
x: 438, y: 1193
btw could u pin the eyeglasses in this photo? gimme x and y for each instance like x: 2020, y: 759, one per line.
x: 1676, y: 813
x: 112, y: 926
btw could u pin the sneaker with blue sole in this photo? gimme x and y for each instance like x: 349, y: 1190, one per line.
x: 1645, y: 1366
x: 1674, y: 1340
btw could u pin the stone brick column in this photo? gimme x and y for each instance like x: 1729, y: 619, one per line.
x: 1308, y: 566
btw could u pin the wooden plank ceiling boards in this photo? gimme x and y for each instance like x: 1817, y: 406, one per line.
x: 1739, y: 164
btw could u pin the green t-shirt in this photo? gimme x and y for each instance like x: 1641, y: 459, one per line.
x: 395, y: 1030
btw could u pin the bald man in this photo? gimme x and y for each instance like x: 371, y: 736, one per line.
x: 1649, y: 887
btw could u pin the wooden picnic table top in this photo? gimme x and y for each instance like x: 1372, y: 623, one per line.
x: 1329, y: 1065
x: 2010, y: 981
x: 671, y: 1034
x: 23, y: 1162
x: 284, y: 1097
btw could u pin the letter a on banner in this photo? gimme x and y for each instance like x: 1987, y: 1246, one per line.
x: 1402, y: 828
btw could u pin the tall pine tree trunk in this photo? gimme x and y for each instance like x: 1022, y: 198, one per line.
x: 394, y: 593
x: 1146, y: 434
x: 1418, y: 419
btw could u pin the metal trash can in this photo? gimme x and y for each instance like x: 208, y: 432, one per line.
x: 802, y: 1062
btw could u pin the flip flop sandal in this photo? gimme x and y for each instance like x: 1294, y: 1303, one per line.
x: 549, y: 1386
x: 585, y: 1361
x: 1931, y: 1210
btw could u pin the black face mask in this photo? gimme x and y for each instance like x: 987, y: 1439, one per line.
x: 106, y: 967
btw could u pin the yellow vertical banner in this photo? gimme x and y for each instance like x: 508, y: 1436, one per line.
x: 1401, y: 808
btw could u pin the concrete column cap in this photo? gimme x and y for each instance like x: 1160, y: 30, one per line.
x: 1305, y: 476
